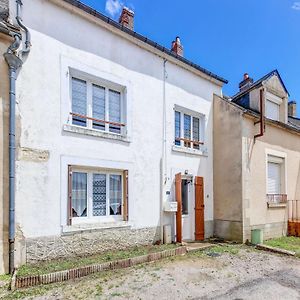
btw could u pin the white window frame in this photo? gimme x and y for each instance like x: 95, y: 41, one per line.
x: 193, y: 114
x: 277, y: 157
x: 274, y: 100
x: 90, y: 81
x: 94, y: 219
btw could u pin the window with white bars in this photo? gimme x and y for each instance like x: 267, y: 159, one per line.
x: 96, y: 194
x: 189, y: 129
x: 97, y: 106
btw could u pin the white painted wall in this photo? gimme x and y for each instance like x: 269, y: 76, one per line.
x: 60, y: 40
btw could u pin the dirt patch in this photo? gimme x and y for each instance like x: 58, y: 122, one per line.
x: 248, y: 274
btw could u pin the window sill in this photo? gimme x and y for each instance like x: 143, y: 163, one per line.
x: 80, y: 228
x: 95, y: 133
x: 277, y: 205
x: 189, y: 151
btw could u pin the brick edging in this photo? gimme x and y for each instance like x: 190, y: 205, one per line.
x: 60, y: 276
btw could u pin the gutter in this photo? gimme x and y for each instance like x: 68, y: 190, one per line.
x: 14, y: 63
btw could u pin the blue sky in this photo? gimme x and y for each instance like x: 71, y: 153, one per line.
x: 228, y: 37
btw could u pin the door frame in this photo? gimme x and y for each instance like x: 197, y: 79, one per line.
x: 199, y: 207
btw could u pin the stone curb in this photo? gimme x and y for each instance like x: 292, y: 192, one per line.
x: 275, y: 250
x: 60, y: 276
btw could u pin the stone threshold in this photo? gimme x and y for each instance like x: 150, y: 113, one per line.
x: 275, y: 250
x: 60, y: 276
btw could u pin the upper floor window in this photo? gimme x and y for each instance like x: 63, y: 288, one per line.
x: 188, y: 129
x: 272, y: 110
x: 97, y: 106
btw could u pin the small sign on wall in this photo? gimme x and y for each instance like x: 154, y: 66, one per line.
x: 170, y: 206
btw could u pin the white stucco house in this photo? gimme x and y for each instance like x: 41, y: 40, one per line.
x: 109, y: 123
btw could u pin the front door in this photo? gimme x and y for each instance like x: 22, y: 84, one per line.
x: 187, y: 210
x: 190, y: 210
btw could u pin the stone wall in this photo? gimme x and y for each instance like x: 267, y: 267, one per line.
x: 229, y: 230
x: 88, y: 243
x: 270, y: 230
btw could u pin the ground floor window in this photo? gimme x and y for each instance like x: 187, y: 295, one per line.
x: 97, y: 194
x: 275, y: 179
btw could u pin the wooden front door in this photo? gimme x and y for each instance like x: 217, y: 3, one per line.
x: 199, y: 209
x: 178, y: 196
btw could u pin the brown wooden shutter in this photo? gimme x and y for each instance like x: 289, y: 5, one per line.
x: 199, y: 209
x: 125, y: 195
x: 178, y: 196
x: 69, y: 208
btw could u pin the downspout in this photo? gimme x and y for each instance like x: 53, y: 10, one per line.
x: 164, y: 154
x: 20, y: 23
x: 14, y: 64
x: 262, y: 115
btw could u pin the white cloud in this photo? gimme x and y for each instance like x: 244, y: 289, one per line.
x: 113, y: 7
x: 296, y: 6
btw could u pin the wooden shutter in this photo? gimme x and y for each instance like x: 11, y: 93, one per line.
x: 199, y: 209
x: 178, y: 196
x: 125, y: 195
x: 69, y: 208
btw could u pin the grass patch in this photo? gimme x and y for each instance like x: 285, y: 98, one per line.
x: 231, y: 249
x: 287, y: 243
x: 5, y: 277
x: 76, y: 262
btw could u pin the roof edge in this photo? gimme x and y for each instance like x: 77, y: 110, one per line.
x: 89, y: 10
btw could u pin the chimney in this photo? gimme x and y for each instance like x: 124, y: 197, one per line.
x: 292, y: 109
x: 127, y: 18
x: 177, y: 47
x: 245, y: 83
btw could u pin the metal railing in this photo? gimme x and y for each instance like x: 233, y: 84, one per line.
x: 294, y: 210
x: 276, y: 198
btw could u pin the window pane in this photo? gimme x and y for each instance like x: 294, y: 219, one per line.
x: 79, y: 194
x: 185, y: 197
x: 177, y: 128
x: 196, y: 132
x: 114, y: 111
x: 115, y: 194
x: 98, y: 106
x: 187, y: 130
x: 274, y: 178
x: 79, y: 100
x: 99, y: 195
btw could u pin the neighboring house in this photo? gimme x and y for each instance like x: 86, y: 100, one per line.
x: 256, y: 159
x: 107, y: 119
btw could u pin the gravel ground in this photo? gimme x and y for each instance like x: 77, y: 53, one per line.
x: 248, y: 274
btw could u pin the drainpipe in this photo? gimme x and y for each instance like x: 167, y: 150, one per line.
x: 14, y: 64
x: 20, y: 23
x: 164, y: 154
x: 262, y: 115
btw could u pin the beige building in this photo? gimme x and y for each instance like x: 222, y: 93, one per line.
x: 256, y: 159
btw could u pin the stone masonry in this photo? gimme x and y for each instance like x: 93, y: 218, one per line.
x: 87, y: 243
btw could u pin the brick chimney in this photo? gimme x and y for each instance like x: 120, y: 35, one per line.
x: 127, y: 18
x: 292, y: 109
x: 177, y: 47
x: 245, y: 83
